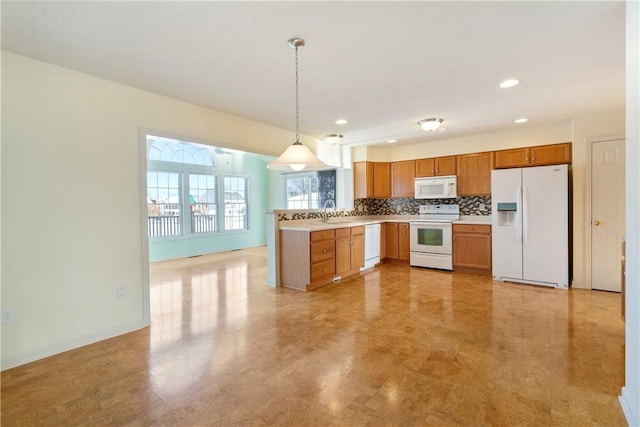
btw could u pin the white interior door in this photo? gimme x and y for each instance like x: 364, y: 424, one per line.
x: 607, y: 213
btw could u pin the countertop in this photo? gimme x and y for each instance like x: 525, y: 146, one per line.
x: 352, y: 221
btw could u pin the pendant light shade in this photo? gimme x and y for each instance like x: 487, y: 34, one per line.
x: 297, y: 157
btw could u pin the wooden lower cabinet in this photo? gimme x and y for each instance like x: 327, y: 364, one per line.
x: 349, y: 251
x: 472, y: 248
x: 309, y: 260
x: 403, y: 241
x: 396, y: 242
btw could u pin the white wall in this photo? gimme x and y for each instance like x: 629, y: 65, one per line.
x: 630, y: 398
x: 71, y: 200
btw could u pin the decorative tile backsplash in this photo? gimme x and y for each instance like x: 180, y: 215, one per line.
x: 469, y: 205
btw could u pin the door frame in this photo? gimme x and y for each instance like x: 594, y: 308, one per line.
x: 588, y: 202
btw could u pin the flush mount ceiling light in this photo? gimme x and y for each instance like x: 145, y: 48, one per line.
x: 509, y: 83
x: 430, y: 124
x: 522, y: 120
x: 297, y: 157
x: 333, y: 139
x: 391, y: 141
x: 341, y: 122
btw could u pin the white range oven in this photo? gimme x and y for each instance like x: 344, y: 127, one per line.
x: 430, y: 236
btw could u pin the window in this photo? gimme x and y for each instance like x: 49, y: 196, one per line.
x: 235, y: 203
x: 302, y: 192
x: 203, y: 202
x: 310, y: 190
x: 184, y: 198
x: 164, y: 206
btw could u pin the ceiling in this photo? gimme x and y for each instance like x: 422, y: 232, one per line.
x: 381, y: 65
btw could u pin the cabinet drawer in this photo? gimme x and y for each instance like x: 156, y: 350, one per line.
x: 323, y: 250
x: 357, y: 230
x: 322, y: 235
x: 322, y: 269
x: 343, y: 232
x: 472, y: 228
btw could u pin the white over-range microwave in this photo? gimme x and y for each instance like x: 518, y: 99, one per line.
x: 437, y: 187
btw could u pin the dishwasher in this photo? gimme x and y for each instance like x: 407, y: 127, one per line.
x: 371, y: 245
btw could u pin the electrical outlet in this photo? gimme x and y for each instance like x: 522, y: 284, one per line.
x: 121, y: 291
x: 8, y: 314
x: 482, y: 207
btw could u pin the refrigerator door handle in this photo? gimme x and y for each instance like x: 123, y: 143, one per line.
x: 524, y: 215
x: 518, y: 221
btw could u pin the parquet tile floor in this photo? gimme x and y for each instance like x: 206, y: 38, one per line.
x: 396, y: 346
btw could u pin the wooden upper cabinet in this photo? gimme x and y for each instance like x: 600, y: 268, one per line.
x: 371, y: 180
x: 474, y: 174
x: 402, y: 178
x: 436, y: 166
x: 541, y: 155
x: 445, y: 165
x: 381, y: 180
x: 555, y: 154
x: 425, y: 167
x: 515, y: 158
x: 362, y: 180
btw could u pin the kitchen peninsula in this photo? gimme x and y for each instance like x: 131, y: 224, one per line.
x: 315, y: 253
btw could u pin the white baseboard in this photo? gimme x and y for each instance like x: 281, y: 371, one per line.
x: 630, y: 411
x: 47, y: 351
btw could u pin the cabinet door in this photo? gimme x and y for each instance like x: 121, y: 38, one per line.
x: 403, y: 241
x: 555, y: 154
x: 425, y: 167
x: 402, y: 178
x: 516, y: 158
x: 383, y: 240
x: 343, y: 255
x: 474, y: 174
x: 472, y: 252
x: 381, y: 180
x: 445, y: 165
x: 362, y: 180
x: 392, y: 240
x: 357, y: 251
x: 472, y: 248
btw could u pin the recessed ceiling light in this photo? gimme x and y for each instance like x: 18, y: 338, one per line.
x: 391, y: 141
x: 341, y: 122
x: 509, y: 83
x: 522, y: 120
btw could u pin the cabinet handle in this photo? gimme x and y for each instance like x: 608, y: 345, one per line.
x: 470, y: 228
x: 324, y: 251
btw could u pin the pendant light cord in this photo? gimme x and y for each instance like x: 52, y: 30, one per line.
x: 297, y: 102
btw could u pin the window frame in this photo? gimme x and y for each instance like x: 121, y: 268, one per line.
x: 297, y: 175
x: 185, y: 170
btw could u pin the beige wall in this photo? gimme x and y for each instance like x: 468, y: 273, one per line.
x: 581, y: 130
x: 71, y: 200
x: 586, y: 129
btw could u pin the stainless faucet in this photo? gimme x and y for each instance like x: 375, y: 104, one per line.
x: 324, y: 209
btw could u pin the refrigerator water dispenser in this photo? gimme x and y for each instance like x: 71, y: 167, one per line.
x: 507, y: 214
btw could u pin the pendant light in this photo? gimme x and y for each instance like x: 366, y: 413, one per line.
x: 297, y: 157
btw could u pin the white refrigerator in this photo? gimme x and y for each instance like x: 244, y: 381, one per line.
x: 530, y: 219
